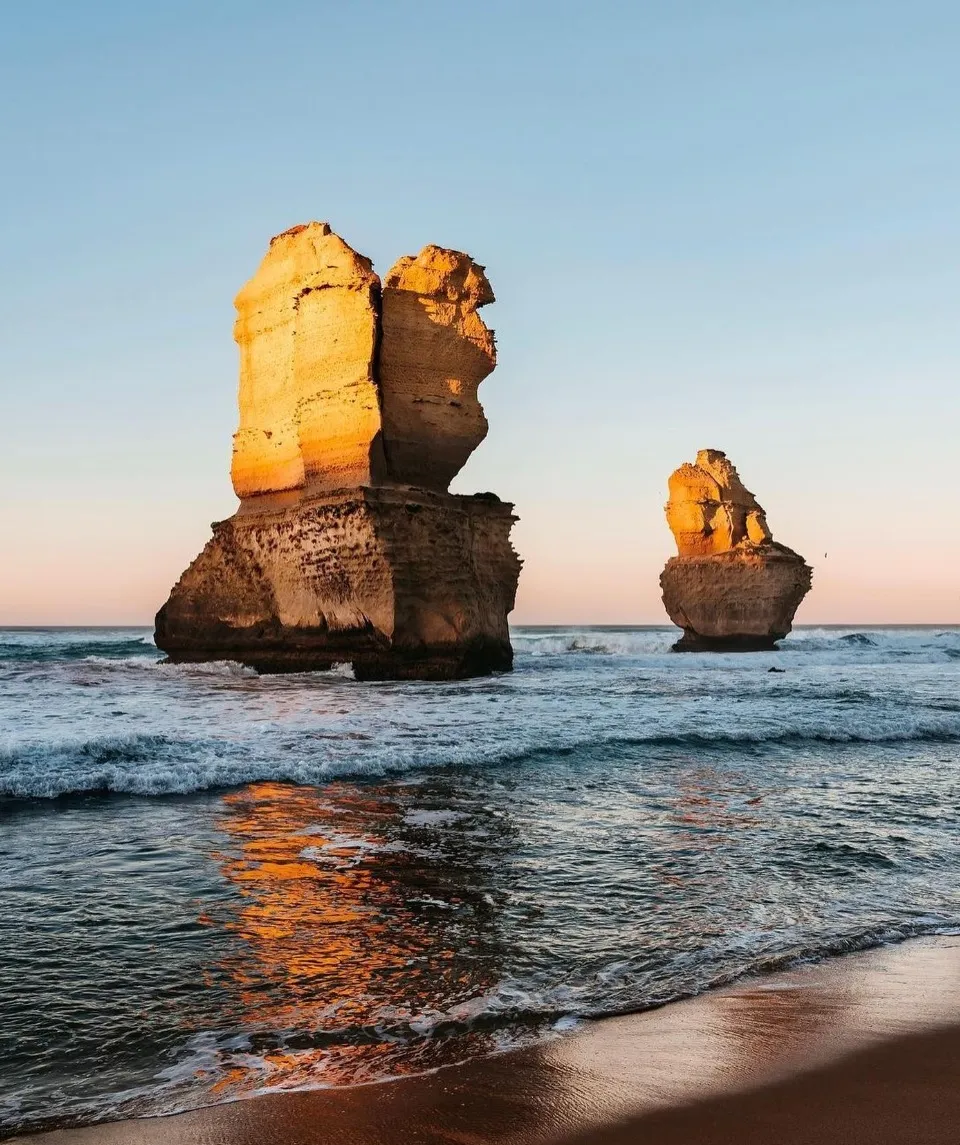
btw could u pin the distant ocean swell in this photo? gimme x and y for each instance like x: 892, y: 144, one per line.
x: 156, y: 764
x: 31, y: 648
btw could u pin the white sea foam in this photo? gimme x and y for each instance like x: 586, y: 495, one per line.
x: 126, y: 723
x: 156, y: 764
x: 343, y: 849
x: 601, y: 642
x: 845, y: 644
x: 427, y: 818
x: 119, y: 664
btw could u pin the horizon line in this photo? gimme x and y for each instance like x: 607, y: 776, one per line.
x: 542, y: 624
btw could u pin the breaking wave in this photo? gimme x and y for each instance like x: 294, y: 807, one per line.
x: 846, y: 644
x: 156, y: 764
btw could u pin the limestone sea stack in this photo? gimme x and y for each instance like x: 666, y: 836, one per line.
x: 358, y: 406
x: 732, y: 587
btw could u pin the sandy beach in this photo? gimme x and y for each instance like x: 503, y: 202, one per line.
x: 861, y: 1048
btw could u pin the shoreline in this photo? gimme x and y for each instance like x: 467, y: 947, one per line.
x: 862, y: 1047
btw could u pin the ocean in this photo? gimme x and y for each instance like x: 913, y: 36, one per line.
x: 215, y: 884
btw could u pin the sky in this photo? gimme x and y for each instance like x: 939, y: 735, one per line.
x: 708, y: 223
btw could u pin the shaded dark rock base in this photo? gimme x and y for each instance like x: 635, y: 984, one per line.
x: 692, y: 642
x: 480, y: 658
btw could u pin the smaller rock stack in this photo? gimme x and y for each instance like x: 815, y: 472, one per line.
x: 732, y: 587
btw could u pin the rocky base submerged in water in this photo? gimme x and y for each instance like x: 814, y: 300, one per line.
x: 358, y: 405
x: 732, y: 588
x: 401, y: 583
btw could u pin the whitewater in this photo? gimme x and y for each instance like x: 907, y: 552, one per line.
x: 98, y: 710
x: 216, y: 884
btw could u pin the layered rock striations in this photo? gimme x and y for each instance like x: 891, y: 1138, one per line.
x: 731, y: 586
x: 358, y: 405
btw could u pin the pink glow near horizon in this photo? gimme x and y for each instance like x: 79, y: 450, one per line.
x: 103, y: 567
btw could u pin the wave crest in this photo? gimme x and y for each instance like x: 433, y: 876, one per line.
x: 845, y: 643
x: 144, y: 764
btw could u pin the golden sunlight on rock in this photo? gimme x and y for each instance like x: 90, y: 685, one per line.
x: 307, y: 328
x: 710, y: 510
x: 356, y: 411
x: 732, y: 587
x: 436, y: 351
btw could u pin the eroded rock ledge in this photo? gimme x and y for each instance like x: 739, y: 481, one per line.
x: 358, y: 405
x: 732, y: 587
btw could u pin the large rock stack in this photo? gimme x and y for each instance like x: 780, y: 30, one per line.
x: 358, y: 405
x: 732, y: 587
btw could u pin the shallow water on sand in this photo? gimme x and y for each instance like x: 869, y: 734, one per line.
x: 215, y: 883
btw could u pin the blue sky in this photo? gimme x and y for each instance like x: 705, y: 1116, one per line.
x: 722, y: 224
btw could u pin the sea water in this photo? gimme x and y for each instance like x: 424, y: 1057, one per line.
x: 215, y: 884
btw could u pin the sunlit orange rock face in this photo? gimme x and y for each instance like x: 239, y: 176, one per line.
x: 710, y: 510
x: 343, y: 383
x: 732, y: 587
x: 358, y: 405
x: 307, y: 328
x: 435, y: 353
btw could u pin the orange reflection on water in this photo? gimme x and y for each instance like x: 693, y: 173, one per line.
x: 708, y: 797
x: 337, y: 951
x: 708, y: 807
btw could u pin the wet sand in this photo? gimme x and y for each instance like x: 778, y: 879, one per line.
x: 864, y: 1048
